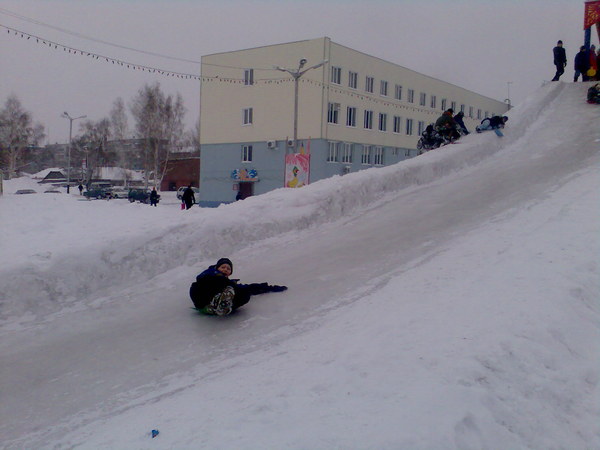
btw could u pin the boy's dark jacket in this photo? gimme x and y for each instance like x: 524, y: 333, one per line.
x: 210, y: 282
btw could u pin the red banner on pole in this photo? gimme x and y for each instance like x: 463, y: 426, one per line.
x: 592, y: 14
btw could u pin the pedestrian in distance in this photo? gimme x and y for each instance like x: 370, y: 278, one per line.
x: 560, y: 60
x: 582, y: 64
x: 214, y: 293
x: 154, y: 197
x: 188, y: 197
x: 80, y: 189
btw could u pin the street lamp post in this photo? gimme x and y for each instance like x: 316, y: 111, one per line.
x: 71, y: 119
x: 296, y: 74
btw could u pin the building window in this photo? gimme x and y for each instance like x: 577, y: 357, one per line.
x: 366, y: 155
x: 409, y: 127
x: 247, y: 116
x: 347, y: 153
x: 421, y: 126
x: 336, y: 75
x: 479, y: 113
x: 249, y: 77
x: 407, y: 152
x: 462, y: 109
x: 332, y: 156
x: 470, y: 112
x: 369, y: 82
x: 433, y: 102
x: 352, y: 80
x: 397, y: 124
x: 350, y: 116
x: 368, y: 119
x: 398, y: 92
x: 422, y: 99
x: 383, y: 88
x: 246, y: 153
x: 444, y: 102
x: 378, y: 156
x: 487, y: 114
x: 382, y: 122
x: 411, y: 96
x: 453, y: 106
x: 333, y: 113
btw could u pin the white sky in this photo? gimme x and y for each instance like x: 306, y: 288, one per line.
x: 479, y: 45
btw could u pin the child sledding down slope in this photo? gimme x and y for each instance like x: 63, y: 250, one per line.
x: 215, y: 293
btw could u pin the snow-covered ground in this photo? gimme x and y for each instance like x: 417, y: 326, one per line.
x: 449, y: 301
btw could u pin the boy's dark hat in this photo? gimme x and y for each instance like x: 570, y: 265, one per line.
x: 222, y: 261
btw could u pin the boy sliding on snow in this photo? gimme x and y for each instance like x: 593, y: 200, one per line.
x: 215, y: 294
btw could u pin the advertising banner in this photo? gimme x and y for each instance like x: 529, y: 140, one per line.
x: 297, y: 170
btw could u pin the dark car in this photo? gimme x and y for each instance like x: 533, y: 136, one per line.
x: 139, y: 195
x: 98, y: 193
x: 25, y: 191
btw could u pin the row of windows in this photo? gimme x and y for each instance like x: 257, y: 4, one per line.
x: 333, y: 117
x: 432, y: 101
x: 342, y: 152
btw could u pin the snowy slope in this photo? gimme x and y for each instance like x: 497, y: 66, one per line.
x: 450, y: 301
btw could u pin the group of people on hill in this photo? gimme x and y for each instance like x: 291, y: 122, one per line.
x: 449, y: 127
x: 585, y: 64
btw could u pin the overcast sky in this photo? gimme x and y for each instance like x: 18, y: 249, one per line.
x: 480, y: 45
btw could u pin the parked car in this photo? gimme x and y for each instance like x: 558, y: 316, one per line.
x: 120, y: 193
x: 97, y: 193
x: 139, y: 195
x: 25, y: 191
x: 182, y: 189
x: 52, y: 191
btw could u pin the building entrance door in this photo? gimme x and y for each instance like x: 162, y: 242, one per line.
x: 246, y: 189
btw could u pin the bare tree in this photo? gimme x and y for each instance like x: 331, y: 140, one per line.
x: 118, y: 120
x: 92, y: 142
x: 17, y: 132
x: 159, y: 121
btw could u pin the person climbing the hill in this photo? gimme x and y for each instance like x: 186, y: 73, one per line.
x: 582, y: 64
x: 460, y: 122
x: 491, y: 123
x: 446, y: 126
x: 214, y: 293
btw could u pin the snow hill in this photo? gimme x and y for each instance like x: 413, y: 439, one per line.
x: 449, y: 301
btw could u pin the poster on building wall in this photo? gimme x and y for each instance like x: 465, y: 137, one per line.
x: 297, y: 170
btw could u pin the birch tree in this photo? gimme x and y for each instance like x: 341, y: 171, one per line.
x: 17, y: 132
x: 159, y: 122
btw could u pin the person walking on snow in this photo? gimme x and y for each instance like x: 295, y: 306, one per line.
x: 214, y: 293
x: 154, y: 197
x: 582, y: 64
x: 560, y: 60
x: 188, y: 197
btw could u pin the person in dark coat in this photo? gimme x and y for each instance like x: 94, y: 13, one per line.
x: 560, y: 60
x: 491, y: 123
x: 460, y: 123
x: 593, y: 94
x: 582, y: 64
x: 154, y: 197
x: 446, y: 126
x: 214, y: 293
x: 188, y: 197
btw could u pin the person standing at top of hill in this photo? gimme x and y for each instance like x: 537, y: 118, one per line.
x: 582, y: 64
x: 188, y: 197
x: 560, y: 60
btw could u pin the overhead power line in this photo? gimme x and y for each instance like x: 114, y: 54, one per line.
x: 89, y: 38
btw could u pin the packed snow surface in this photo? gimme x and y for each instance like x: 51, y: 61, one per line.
x: 449, y: 301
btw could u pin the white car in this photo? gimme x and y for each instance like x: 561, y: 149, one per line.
x: 182, y: 189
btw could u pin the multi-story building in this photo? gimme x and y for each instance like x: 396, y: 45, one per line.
x: 354, y: 111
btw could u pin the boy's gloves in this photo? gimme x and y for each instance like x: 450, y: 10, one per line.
x: 276, y: 288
